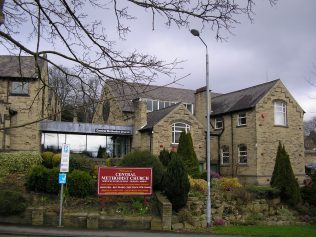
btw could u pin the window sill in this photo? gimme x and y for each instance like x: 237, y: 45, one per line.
x: 241, y: 126
x: 22, y: 95
x: 281, y: 126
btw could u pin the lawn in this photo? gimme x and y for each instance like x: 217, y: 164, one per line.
x: 275, y: 231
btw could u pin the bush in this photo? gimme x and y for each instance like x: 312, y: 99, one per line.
x: 12, y: 162
x: 264, y: 192
x: 198, y: 185
x: 164, y: 157
x: 145, y: 159
x: 11, y: 203
x: 47, y: 157
x: 81, y: 162
x: 80, y: 183
x: 283, y: 178
x: 102, y: 152
x: 56, y: 160
x: 37, y: 179
x: 52, y: 185
x: 229, y: 184
x: 187, y: 153
x: 309, y: 192
x: 176, y: 183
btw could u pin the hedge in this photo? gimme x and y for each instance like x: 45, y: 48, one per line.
x: 22, y: 161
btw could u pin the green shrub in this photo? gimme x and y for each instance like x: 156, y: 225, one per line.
x: 37, y: 179
x: 309, y: 192
x: 80, y: 183
x: 283, y: 178
x: 56, y: 160
x: 102, y: 152
x: 145, y: 159
x: 164, y: 157
x: 81, y: 162
x: 11, y: 203
x: 52, y: 185
x: 47, y: 159
x: 176, y: 183
x: 264, y: 192
x: 187, y: 153
x: 21, y: 161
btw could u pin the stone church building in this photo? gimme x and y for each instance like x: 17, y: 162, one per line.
x: 247, y: 125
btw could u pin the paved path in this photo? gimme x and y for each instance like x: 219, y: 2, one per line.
x: 13, y: 230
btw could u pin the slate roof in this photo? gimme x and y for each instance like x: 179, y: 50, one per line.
x: 125, y: 92
x: 17, y: 67
x: 240, y: 100
x: 154, y: 117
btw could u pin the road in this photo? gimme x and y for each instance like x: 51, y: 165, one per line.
x: 23, y: 231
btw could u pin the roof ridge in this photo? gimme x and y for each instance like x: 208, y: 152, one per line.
x: 251, y: 87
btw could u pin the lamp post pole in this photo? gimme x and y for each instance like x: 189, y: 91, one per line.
x: 208, y: 150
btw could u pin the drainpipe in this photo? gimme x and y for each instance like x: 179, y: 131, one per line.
x: 232, y: 141
x: 218, y: 145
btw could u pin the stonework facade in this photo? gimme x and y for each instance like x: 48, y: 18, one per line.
x: 20, y: 109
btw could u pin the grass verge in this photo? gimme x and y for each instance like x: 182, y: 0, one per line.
x: 268, y: 231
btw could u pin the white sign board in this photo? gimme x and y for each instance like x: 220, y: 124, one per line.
x: 64, y: 162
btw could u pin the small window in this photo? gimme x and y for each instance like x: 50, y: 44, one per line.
x: 225, y: 155
x: 161, y: 104
x: 19, y: 88
x: 155, y: 104
x: 218, y: 123
x: 149, y: 105
x: 177, y: 129
x: 280, y: 117
x: 167, y: 104
x: 189, y: 107
x: 242, y: 154
x: 242, y: 121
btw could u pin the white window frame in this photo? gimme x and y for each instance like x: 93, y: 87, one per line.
x: 225, y: 154
x: 187, y: 105
x: 19, y: 87
x: 240, y: 117
x: 178, y: 128
x: 219, y: 120
x: 242, y: 154
x: 280, y: 113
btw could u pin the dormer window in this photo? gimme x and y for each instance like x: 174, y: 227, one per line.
x: 177, y: 129
x: 219, y: 123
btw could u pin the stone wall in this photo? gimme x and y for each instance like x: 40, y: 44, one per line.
x: 162, y: 132
x: 269, y: 135
x: 233, y: 136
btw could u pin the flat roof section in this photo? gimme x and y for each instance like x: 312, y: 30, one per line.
x: 85, y: 128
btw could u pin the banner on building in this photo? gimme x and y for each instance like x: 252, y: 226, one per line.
x: 124, y: 181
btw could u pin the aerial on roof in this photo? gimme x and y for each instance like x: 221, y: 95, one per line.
x: 240, y: 100
x: 18, y: 66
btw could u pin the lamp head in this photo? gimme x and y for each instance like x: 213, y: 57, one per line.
x: 195, y: 32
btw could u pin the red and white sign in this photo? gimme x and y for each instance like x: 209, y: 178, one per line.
x: 124, y: 181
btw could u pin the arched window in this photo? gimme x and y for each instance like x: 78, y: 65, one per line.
x: 177, y: 129
x: 280, y: 117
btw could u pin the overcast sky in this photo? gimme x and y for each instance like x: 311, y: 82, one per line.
x: 279, y: 44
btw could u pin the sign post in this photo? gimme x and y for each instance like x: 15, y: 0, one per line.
x: 64, y: 169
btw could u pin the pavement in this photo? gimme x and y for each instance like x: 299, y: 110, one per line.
x: 14, y: 230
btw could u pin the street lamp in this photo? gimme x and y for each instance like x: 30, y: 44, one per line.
x: 208, y: 150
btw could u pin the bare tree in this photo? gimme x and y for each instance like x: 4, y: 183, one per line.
x: 63, y: 30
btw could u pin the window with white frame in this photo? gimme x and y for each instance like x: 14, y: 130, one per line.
x: 189, y: 107
x: 242, y: 120
x: 177, y: 129
x: 219, y: 123
x: 19, y: 88
x: 280, y: 117
x: 225, y: 154
x: 242, y: 154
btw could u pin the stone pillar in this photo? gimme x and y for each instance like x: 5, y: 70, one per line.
x: 140, y: 120
x: 93, y: 221
x: 38, y: 216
